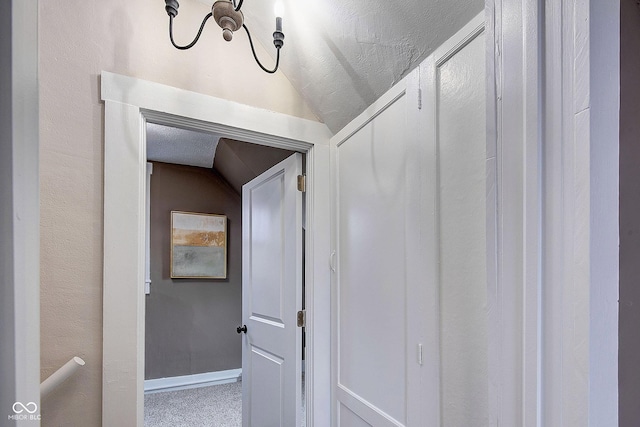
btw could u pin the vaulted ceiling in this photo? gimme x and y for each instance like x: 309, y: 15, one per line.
x: 341, y: 55
x: 237, y: 162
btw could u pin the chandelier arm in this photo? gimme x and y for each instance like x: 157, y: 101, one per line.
x: 239, y: 4
x: 256, y: 56
x: 190, y: 45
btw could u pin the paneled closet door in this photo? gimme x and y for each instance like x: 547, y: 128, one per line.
x: 409, y: 306
x: 378, y: 331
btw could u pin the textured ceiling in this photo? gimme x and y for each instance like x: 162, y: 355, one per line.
x: 341, y: 55
x: 180, y: 146
x: 237, y: 162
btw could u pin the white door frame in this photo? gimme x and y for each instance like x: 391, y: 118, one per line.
x: 19, y: 210
x: 129, y: 104
x: 552, y: 120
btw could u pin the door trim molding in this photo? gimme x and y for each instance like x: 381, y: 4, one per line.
x: 552, y: 114
x: 20, y: 209
x: 129, y: 104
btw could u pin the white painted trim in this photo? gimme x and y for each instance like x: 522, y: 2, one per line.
x: 492, y: 82
x: 124, y: 259
x: 185, y: 382
x: 459, y: 40
x: 423, y: 263
x: 19, y: 210
x: 147, y: 270
x: 219, y: 115
x: 129, y: 103
x: 334, y: 268
x: 513, y: 213
x: 554, y: 70
x: 385, y: 101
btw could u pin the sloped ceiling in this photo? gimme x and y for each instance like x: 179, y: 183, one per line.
x: 240, y: 162
x: 342, y: 55
x: 180, y: 146
x: 237, y: 162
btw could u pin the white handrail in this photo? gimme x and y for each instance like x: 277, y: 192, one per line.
x: 59, y: 376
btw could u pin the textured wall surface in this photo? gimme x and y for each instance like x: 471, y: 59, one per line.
x: 462, y: 203
x: 629, y: 374
x: 190, y: 323
x: 342, y: 55
x: 128, y: 38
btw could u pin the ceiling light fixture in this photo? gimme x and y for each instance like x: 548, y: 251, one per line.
x: 229, y: 17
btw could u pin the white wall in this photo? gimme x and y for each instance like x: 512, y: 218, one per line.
x: 604, y: 133
x: 77, y: 42
x: 19, y: 213
x: 462, y: 223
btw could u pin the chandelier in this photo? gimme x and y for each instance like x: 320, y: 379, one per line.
x: 229, y: 17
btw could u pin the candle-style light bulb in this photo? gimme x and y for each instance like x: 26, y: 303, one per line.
x: 278, y: 35
x: 278, y: 10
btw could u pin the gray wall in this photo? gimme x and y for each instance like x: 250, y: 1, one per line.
x: 629, y: 363
x: 190, y: 324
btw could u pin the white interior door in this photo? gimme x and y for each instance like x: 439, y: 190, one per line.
x: 272, y: 296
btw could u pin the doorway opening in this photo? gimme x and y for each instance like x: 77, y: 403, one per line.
x: 193, y: 358
x: 129, y: 104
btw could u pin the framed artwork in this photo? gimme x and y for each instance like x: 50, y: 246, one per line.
x: 198, y: 246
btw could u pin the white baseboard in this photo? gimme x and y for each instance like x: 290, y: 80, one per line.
x: 192, y: 381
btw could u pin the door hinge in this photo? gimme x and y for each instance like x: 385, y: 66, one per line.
x: 420, y: 357
x: 302, y: 183
x: 419, y: 98
x: 302, y: 318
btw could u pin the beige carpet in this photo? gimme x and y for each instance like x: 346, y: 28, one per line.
x: 214, y: 406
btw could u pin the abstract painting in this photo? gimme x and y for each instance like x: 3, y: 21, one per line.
x: 198, y: 245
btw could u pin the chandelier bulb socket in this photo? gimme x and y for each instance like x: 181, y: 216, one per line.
x: 278, y: 39
x: 171, y: 6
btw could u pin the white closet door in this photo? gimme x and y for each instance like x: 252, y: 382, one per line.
x: 410, y: 315
x: 375, y: 348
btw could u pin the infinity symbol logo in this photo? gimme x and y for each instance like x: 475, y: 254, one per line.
x: 20, y: 407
